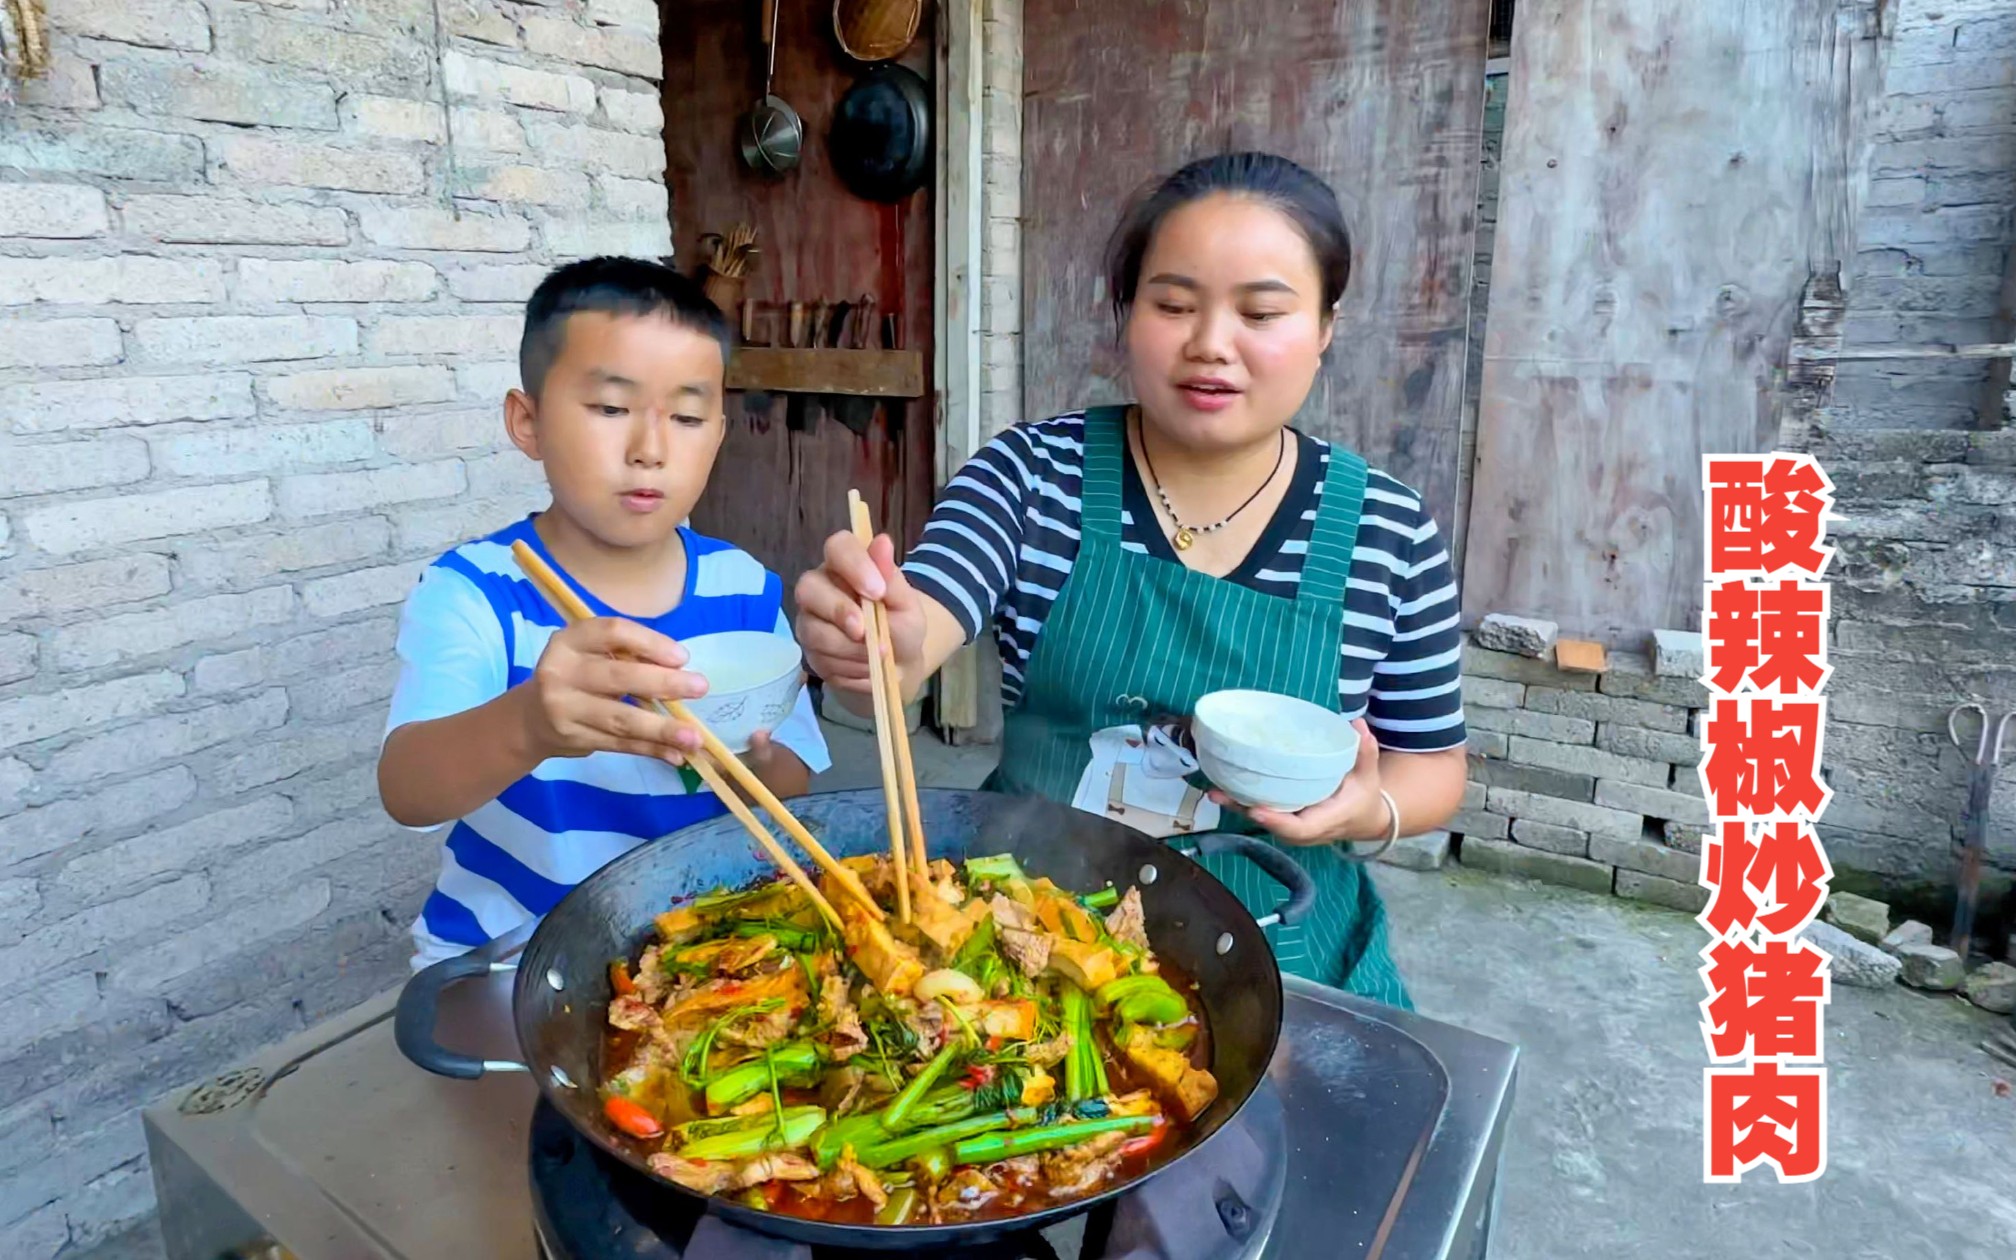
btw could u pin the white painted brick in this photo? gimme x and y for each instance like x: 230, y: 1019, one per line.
x: 108, y: 810
x: 523, y: 185
x: 231, y: 933
x: 28, y: 718
x: 154, y: 23
x: 51, y: 467
x: 166, y: 738
x: 319, y: 494
x: 633, y: 198
x: 392, y: 61
x: 573, y: 238
x: 392, y: 118
x: 131, y: 278
x: 67, y: 527
x: 508, y: 282
x: 359, y: 389
x: 15, y: 776
x: 258, y: 161
x: 266, y: 448
x: 640, y: 15
x: 128, y: 635
x: 321, y: 697
x: 535, y: 89
x: 597, y: 148
x: 69, y: 82
x: 54, y: 406
x: 488, y: 382
x: 19, y: 901
x: 477, y: 20
x: 229, y: 671
x: 245, y: 338
x: 610, y: 49
x: 217, y: 93
x: 445, y: 334
x: 224, y: 221
x: 422, y: 227
x: 412, y: 436
x: 111, y: 923
x: 42, y: 1232
x: 297, y: 750
x: 17, y: 656
x: 333, y: 280
x: 47, y: 343
x: 279, y: 865
x: 92, y: 584
x: 117, y: 152
x: 487, y: 131
x: 56, y: 211
x: 189, y: 846
x: 324, y: 799
x: 633, y: 111
x: 242, y: 561
x: 359, y: 588
x: 318, y: 653
x: 55, y: 1006
x: 435, y: 529
x: 506, y: 475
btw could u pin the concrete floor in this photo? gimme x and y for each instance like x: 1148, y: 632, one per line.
x: 1604, y: 1157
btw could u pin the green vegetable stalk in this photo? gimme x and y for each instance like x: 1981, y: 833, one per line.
x: 896, y: 1116
x: 737, y: 1084
x: 1104, y: 899
x: 989, y: 1147
x: 1081, y: 1064
x: 993, y: 869
x: 911, y: 1145
x: 797, y: 1128
x: 902, y: 1205
x: 935, y: 1164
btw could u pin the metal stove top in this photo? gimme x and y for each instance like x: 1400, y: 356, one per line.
x: 332, y: 1146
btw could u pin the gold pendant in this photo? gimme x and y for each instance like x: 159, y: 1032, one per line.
x: 1184, y: 538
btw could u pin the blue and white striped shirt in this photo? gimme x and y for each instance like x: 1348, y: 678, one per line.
x: 1003, y: 538
x: 475, y: 626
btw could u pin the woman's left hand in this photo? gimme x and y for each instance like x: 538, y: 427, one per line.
x: 1355, y: 811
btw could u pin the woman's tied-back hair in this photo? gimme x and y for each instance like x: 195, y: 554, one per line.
x: 613, y: 286
x: 1307, y: 201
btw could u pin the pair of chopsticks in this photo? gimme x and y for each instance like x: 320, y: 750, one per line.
x: 892, y: 733
x: 709, y: 765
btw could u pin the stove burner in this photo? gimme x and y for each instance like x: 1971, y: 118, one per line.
x: 1218, y: 1203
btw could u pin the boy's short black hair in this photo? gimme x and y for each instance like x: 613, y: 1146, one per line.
x: 614, y: 286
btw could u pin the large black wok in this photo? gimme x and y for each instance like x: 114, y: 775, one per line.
x: 561, y: 993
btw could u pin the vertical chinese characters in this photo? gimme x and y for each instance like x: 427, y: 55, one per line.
x: 1765, y: 628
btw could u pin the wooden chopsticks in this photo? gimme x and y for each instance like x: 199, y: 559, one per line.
x: 892, y: 733
x: 717, y: 756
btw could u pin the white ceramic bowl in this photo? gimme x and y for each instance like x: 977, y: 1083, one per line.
x: 753, y: 679
x: 1276, y: 751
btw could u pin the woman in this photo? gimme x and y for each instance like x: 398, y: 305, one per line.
x: 1132, y: 559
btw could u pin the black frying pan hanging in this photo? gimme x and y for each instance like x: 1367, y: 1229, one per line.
x: 881, y: 136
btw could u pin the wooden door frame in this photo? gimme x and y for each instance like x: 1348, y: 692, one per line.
x: 961, y: 233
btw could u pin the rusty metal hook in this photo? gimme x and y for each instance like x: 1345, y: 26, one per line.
x: 1987, y: 751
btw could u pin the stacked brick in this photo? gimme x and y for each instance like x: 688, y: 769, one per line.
x: 1587, y: 780
x: 259, y: 294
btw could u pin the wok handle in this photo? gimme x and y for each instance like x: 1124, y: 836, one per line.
x: 419, y: 1006
x: 1284, y: 870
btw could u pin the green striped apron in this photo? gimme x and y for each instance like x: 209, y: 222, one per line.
x: 1128, y: 627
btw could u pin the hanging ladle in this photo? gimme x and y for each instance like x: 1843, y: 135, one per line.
x: 772, y: 132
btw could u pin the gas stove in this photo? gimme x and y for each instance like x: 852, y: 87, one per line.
x: 1374, y: 1134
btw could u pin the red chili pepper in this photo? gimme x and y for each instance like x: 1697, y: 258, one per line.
x: 978, y: 1074
x: 995, y: 1043
x: 1146, y: 1142
x: 619, y: 980
x: 632, y: 1118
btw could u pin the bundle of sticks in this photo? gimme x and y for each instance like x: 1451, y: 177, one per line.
x: 892, y: 733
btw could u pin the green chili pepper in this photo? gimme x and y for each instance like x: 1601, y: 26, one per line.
x: 989, y: 1147
x: 1165, y: 1006
x: 896, y: 1116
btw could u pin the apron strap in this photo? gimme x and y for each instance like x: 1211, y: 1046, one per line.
x: 1335, y: 535
x: 1099, y: 487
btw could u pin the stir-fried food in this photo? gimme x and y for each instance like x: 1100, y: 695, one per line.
x: 1014, y: 1046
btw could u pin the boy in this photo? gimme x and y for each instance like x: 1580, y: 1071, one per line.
x: 513, y: 730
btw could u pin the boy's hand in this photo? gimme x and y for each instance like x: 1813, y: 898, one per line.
x: 830, y: 626
x: 574, y: 702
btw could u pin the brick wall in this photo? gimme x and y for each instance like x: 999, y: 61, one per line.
x: 1937, y: 227
x: 255, y: 321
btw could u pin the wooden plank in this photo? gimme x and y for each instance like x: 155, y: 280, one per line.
x: 871, y: 373
x: 778, y: 491
x: 1991, y: 350
x: 961, y: 232
x: 1382, y: 98
x: 1674, y: 174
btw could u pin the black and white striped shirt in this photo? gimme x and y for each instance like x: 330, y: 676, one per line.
x: 1002, y: 540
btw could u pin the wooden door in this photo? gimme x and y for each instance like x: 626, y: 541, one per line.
x: 1382, y: 98
x: 779, y: 490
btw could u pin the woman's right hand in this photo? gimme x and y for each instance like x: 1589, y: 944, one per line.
x: 574, y: 703
x: 830, y: 627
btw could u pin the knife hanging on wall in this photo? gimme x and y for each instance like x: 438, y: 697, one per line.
x: 857, y: 411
